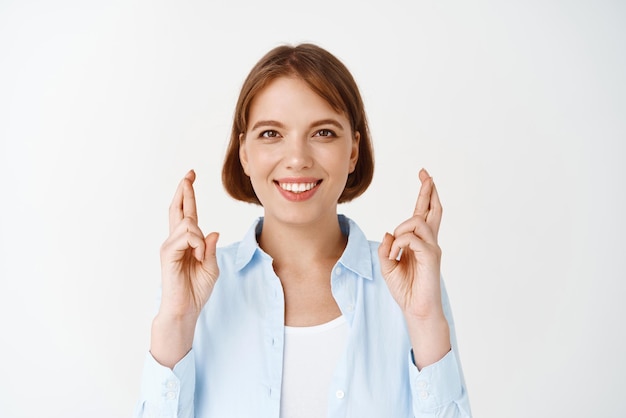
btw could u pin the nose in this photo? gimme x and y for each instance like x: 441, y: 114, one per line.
x: 298, y: 154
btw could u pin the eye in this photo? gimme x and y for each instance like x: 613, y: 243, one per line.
x: 325, y: 133
x: 269, y: 134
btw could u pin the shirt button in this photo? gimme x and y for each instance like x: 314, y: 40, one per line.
x: 422, y: 384
x: 350, y: 307
x: 339, y: 394
x: 171, y: 384
x: 423, y: 395
x: 338, y: 271
x: 170, y: 395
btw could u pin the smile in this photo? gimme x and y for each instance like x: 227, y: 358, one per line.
x: 298, y: 187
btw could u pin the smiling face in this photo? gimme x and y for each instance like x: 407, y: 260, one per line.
x: 298, y: 152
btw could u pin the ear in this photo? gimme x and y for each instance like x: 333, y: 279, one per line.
x: 354, y: 155
x: 243, y: 154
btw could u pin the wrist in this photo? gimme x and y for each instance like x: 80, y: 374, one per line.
x: 430, y: 339
x: 171, y: 338
x: 164, y: 316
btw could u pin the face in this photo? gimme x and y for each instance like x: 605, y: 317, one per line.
x: 298, y: 152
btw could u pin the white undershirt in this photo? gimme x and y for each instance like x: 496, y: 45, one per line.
x: 310, y: 357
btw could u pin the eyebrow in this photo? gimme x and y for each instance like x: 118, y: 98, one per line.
x: 274, y: 123
x: 327, y: 122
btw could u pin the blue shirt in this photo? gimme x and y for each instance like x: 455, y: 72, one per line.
x: 235, y: 366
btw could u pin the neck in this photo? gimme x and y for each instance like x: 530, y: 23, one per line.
x: 294, y: 244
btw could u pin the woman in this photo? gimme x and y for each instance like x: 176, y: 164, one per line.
x: 304, y: 317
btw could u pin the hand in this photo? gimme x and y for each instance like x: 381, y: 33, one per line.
x: 188, y: 272
x: 188, y: 263
x: 413, y: 279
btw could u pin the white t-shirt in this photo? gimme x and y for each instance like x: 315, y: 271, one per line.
x: 310, y: 357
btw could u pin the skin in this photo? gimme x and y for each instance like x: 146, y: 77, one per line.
x: 295, y: 136
x: 414, y: 279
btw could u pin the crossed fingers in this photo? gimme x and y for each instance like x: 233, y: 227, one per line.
x: 183, y: 218
x: 428, y: 206
x: 422, y: 228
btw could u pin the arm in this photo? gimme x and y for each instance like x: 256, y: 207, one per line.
x: 439, y: 389
x: 189, y: 271
x: 410, y: 262
x: 414, y: 278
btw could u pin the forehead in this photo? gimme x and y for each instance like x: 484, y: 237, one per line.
x: 291, y: 98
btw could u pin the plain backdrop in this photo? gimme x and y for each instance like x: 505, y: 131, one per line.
x: 517, y: 108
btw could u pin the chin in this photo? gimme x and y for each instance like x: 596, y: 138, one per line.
x: 299, y: 217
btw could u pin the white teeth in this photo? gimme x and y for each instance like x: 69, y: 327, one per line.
x: 297, y: 187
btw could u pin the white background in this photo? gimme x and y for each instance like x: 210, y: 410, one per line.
x: 517, y: 108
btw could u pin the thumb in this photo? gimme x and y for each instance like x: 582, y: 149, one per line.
x: 210, y: 246
x: 386, y: 265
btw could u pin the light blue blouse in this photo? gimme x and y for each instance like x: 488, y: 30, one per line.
x: 235, y: 366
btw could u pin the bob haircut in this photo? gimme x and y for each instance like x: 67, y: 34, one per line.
x: 326, y: 76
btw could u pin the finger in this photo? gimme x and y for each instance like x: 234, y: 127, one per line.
x: 186, y: 235
x: 176, y: 206
x: 433, y: 219
x: 189, y: 197
x: 176, y: 246
x: 387, y: 263
x: 422, y: 232
x: 414, y: 243
x: 184, y: 226
x: 416, y: 226
x: 423, y: 198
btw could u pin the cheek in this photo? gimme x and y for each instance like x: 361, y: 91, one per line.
x: 259, y: 163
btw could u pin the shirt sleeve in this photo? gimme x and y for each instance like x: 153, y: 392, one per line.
x: 439, y: 390
x: 167, y: 392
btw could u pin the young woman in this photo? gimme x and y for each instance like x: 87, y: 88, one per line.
x: 304, y: 317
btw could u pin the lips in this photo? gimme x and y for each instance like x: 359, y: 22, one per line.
x: 298, y: 188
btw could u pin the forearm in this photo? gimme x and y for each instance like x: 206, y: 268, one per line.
x: 430, y: 339
x: 171, y: 338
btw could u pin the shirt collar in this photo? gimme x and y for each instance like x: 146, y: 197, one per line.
x: 356, y: 257
x: 249, y: 245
